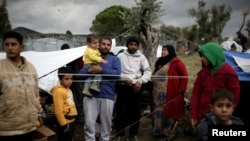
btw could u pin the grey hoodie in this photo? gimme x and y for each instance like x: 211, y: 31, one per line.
x: 135, y: 67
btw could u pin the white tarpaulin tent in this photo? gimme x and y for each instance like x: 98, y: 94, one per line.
x: 226, y: 45
x: 47, y: 63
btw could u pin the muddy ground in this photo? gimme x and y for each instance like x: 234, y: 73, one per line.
x: 143, y: 135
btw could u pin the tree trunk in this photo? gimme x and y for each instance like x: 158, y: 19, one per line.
x: 149, y: 44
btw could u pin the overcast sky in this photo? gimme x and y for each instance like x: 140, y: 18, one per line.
x: 47, y: 16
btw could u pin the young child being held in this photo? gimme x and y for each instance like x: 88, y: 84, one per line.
x: 92, y: 57
x: 221, y: 106
x: 64, y: 105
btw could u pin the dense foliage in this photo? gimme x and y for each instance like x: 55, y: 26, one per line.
x: 5, y: 25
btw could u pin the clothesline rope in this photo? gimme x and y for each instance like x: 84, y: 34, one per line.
x: 144, y: 117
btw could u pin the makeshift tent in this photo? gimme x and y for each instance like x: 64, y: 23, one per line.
x: 226, y: 45
x: 118, y: 49
x: 240, y: 62
x: 47, y: 63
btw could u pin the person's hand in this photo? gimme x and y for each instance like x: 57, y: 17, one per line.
x: 95, y: 69
x: 104, y: 61
x: 128, y: 82
x: 193, y: 122
x: 39, y: 122
x: 137, y: 87
x: 65, y: 127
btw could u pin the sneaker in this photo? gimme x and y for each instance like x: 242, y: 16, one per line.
x: 86, y: 92
x: 132, y: 139
x: 95, y: 87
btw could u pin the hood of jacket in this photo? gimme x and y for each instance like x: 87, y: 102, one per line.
x: 136, y: 54
x: 214, y: 53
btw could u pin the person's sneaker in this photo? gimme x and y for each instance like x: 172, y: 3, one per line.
x: 132, y: 139
x: 95, y: 86
x: 86, y: 92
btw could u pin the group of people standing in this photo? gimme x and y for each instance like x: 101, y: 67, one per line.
x: 119, y: 91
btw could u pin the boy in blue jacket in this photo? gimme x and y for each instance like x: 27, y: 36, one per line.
x: 221, y: 106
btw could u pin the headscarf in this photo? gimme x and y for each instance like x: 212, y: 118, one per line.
x: 214, y: 53
x: 164, y: 60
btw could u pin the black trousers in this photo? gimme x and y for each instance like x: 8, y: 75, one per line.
x: 128, y: 110
x: 65, y: 136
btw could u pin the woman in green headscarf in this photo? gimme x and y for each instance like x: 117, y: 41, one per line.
x: 215, y: 74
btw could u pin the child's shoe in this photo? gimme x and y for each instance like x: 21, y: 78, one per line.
x: 95, y: 86
x: 86, y: 91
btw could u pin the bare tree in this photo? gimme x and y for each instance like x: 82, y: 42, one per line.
x: 212, y: 21
x: 248, y: 27
x: 244, y: 14
x: 242, y: 37
x: 148, y: 14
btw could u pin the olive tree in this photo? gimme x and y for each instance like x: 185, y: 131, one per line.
x: 211, y: 21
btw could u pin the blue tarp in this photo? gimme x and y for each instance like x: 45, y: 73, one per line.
x: 240, y: 61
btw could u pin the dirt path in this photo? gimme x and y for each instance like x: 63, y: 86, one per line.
x: 144, y: 133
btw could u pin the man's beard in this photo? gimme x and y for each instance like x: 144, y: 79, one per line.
x: 105, y: 52
x: 132, y: 51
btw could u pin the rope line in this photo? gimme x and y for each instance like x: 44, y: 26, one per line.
x: 121, y: 79
x: 151, y: 113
